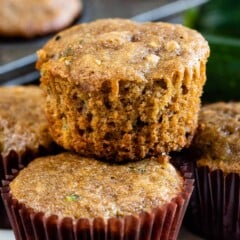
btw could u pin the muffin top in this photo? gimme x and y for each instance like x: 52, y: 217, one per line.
x: 115, y: 49
x: 218, y: 136
x: 22, y: 121
x: 74, y: 186
x: 28, y: 18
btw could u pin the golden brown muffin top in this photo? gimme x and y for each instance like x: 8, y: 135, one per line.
x: 71, y: 185
x: 218, y: 136
x: 115, y: 49
x: 22, y: 120
x: 28, y: 18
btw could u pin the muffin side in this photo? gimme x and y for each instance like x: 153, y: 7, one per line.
x: 217, y: 137
x: 213, y: 211
x: 121, y: 90
x: 23, y: 124
x: 23, y: 131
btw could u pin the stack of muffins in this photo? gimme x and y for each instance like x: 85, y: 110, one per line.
x: 120, y: 96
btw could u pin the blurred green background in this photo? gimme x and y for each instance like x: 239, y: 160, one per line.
x: 219, y: 22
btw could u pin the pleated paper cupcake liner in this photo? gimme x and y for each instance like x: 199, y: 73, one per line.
x: 214, y: 208
x: 12, y: 161
x: 162, y: 222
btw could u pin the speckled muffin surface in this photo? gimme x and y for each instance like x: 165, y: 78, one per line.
x: 29, y: 18
x: 23, y: 124
x: 218, y: 137
x: 74, y: 186
x: 121, y: 90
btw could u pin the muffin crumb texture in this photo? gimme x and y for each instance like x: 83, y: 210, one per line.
x: 23, y: 124
x: 218, y: 136
x: 121, y: 90
x: 74, y: 186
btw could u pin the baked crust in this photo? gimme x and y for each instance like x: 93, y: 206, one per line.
x: 69, y: 185
x: 29, y: 18
x: 217, y: 138
x: 23, y: 124
x: 121, y: 90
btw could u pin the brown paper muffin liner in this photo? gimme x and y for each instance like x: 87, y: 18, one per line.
x: 12, y: 161
x: 214, y: 208
x: 160, y: 223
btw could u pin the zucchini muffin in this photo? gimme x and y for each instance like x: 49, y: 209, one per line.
x: 218, y: 137
x: 214, y: 208
x: 23, y: 129
x: 122, y: 90
x: 147, y: 197
x: 29, y: 18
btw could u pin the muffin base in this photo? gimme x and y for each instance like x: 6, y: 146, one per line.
x: 160, y: 223
x: 214, y: 208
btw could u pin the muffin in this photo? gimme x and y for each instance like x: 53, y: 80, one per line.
x: 214, y: 208
x: 74, y: 197
x: 122, y: 90
x: 29, y: 18
x: 23, y: 130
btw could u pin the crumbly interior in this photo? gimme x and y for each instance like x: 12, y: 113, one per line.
x: 218, y: 136
x: 70, y: 185
x: 120, y: 90
x: 23, y: 124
